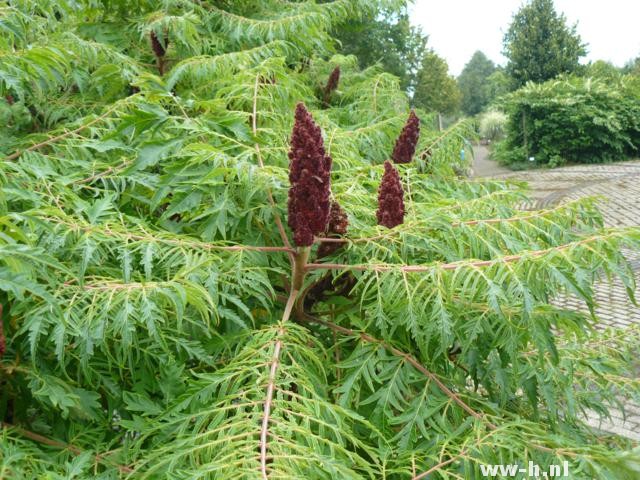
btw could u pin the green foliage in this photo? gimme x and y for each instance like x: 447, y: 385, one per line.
x: 153, y: 323
x: 498, y: 84
x: 436, y: 90
x: 575, y: 120
x: 632, y: 67
x: 602, y: 70
x: 387, y: 39
x: 473, y: 83
x: 539, y: 45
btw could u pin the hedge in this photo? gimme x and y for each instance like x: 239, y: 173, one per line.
x: 579, y: 120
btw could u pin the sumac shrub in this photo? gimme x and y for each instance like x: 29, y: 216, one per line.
x: 208, y: 272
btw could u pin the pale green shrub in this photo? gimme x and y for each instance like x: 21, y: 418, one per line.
x: 492, y: 124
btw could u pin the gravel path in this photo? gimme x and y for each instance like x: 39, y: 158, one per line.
x: 483, y: 166
x: 618, y: 185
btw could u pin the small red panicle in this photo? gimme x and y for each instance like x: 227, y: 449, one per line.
x: 338, y: 224
x: 332, y: 82
x: 310, y: 178
x: 390, y: 202
x: 158, y: 48
x: 338, y: 220
x: 406, y: 143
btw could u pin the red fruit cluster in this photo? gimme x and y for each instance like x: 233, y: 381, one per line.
x: 310, y: 178
x: 406, y: 143
x: 158, y: 48
x: 390, y: 202
x: 338, y: 221
x: 338, y: 224
x: 332, y: 82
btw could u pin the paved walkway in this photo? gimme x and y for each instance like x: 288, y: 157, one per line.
x: 482, y: 166
x: 618, y: 185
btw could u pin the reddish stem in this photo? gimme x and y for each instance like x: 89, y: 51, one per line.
x: 3, y: 342
x: 64, y: 446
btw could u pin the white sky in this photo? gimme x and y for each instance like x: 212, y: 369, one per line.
x: 457, y: 28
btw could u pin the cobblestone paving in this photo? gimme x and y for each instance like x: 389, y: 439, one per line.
x: 618, y: 185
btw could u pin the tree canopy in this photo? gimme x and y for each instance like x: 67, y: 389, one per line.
x: 539, y: 45
x: 436, y: 90
x: 497, y: 85
x: 473, y: 83
x: 603, y: 70
x: 632, y: 67
x: 388, y: 39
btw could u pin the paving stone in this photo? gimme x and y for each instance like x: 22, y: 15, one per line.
x: 618, y: 187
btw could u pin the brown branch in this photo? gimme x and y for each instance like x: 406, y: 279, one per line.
x: 64, y: 446
x: 276, y: 215
x: 50, y: 140
x: 299, y: 268
x: 267, y: 409
x: 396, y: 231
x: 431, y: 376
x: 354, y: 240
x: 407, y: 358
x: 444, y: 463
x: 449, y: 266
x: 440, y: 465
x: 415, y: 223
x: 337, y: 355
x: 516, y: 218
x: 105, y: 172
x: 463, y: 454
x: 271, y: 385
x: 189, y: 243
x: 447, y: 132
x: 3, y: 342
x: 608, y: 342
x: 160, y: 65
x: 298, y: 272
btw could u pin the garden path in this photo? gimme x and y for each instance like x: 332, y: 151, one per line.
x: 618, y: 184
x: 483, y: 166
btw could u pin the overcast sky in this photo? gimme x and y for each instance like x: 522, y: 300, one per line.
x: 457, y: 28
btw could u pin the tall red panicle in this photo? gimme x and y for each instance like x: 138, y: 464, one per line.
x: 390, y: 202
x: 332, y: 82
x: 310, y: 178
x: 406, y: 143
x: 158, y: 48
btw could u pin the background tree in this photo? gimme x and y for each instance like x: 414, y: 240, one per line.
x: 496, y: 85
x: 472, y: 83
x: 388, y: 39
x: 632, y: 67
x: 540, y: 45
x: 602, y: 69
x: 436, y: 90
